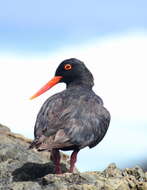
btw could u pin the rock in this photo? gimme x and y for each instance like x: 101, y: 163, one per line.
x: 112, y: 171
x: 17, y: 163
x: 4, y: 129
x: 23, y: 169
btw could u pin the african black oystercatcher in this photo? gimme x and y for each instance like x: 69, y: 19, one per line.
x: 72, y: 119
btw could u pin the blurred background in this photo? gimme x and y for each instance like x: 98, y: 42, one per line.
x: 109, y: 36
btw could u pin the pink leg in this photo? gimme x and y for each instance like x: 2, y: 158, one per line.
x: 55, y: 156
x: 73, y: 160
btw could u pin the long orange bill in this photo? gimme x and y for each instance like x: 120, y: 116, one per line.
x: 46, y: 87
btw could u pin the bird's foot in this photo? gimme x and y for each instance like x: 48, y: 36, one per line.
x: 71, y: 169
x: 58, y: 170
x: 73, y: 160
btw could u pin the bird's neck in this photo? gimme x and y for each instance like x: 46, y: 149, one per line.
x: 83, y: 83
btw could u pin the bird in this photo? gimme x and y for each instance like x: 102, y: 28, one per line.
x: 72, y: 119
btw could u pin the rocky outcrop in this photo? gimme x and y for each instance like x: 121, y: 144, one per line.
x: 23, y: 169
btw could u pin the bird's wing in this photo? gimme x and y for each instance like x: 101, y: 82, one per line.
x: 48, y: 123
x: 86, y: 122
x: 48, y: 119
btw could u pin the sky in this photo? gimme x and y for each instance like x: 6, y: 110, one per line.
x: 45, y: 26
x: 110, y: 37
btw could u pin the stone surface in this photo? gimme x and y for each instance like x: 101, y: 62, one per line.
x: 23, y: 169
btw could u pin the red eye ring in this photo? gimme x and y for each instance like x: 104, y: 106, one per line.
x: 68, y: 67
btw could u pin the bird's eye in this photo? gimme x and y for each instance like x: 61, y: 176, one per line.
x: 68, y: 67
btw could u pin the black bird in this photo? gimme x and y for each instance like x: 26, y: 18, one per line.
x: 72, y: 119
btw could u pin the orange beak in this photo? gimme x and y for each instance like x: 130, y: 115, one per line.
x: 47, y: 86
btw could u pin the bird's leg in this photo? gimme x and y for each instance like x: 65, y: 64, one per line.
x: 55, y: 157
x: 73, y: 160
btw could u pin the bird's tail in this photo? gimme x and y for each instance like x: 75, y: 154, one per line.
x: 43, y: 145
x: 34, y: 144
x: 59, y: 140
x: 37, y: 142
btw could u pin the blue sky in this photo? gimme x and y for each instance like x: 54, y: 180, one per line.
x: 109, y: 36
x: 44, y: 26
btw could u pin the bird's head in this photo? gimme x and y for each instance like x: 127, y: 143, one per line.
x: 72, y: 72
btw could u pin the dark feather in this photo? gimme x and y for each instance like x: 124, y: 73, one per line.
x: 79, y: 113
